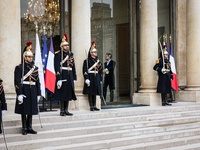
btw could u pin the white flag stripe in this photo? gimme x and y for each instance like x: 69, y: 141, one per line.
x: 173, y: 68
x: 38, y: 63
x: 50, y: 63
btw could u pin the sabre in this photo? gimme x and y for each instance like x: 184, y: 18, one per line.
x: 39, y: 117
x: 87, y: 63
x: 4, y: 136
x: 103, y: 98
x: 162, y: 56
x: 75, y: 104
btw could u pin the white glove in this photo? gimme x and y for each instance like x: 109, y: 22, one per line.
x: 163, y: 70
x: 59, y: 83
x: 101, y: 82
x: 74, y: 81
x: 38, y: 98
x: 20, y: 98
x: 2, y: 112
x: 87, y: 81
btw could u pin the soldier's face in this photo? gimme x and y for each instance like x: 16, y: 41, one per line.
x: 94, y: 54
x: 29, y: 59
x: 66, y: 47
x: 165, y: 56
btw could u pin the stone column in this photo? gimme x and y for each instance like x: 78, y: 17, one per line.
x: 81, y: 41
x: 193, y: 52
x: 10, y: 46
x: 181, y: 48
x: 149, y: 54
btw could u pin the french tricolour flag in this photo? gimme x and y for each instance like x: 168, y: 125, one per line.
x: 50, y: 77
x: 174, y: 82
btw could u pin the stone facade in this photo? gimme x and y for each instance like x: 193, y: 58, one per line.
x: 187, y: 51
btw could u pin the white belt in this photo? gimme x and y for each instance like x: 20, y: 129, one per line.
x: 29, y: 83
x: 92, y: 71
x: 66, y: 68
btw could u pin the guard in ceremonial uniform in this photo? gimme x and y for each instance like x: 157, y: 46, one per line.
x: 3, y: 106
x: 92, y: 72
x: 109, y: 78
x: 65, y: 76
x: 27, y: 88
x: 165, y: 76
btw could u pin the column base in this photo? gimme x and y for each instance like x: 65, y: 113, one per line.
x: 10, y: 100
x: 187, y: 96
x: 82, y: 102
x: 152, y: 99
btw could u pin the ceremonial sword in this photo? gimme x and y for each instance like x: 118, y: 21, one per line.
x: 163, y: 57
x: 4, y: 136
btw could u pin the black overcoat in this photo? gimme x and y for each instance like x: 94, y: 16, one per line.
x: 110, y: 76
x: 95, y: 79
x: 3, y: 101
x: 66, y: 92
x: 30, y: 104
x: 164, y: 80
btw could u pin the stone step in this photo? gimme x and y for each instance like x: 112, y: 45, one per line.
x: 99, y: 122
x: 106, y: 129
x: 52, y: 117
x: 146, y: 142
x: 97, y: 129
x: 161, y: 145
x: 185, y: 147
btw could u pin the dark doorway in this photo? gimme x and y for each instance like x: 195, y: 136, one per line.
x: 123, y: 48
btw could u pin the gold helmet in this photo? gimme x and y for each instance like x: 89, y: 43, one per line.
x: 93, y: 47
x: 165, y: 53
x: 64, y: 40
x: 28, y: 50
x: 165, y: 50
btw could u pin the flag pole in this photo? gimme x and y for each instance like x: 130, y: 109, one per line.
x: 36, y: 27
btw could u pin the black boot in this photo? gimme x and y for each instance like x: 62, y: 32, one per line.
x: 90, y: 102
x: 167, y: 101
x: 66, y: 104
x: 24, y: 127
x: 29, y: 125
x: 62, y: 110
x: 94, y: 103
x: 163, y: 99
x: 111, y: 95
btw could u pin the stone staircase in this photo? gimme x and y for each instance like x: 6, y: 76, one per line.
x: 136, y: 128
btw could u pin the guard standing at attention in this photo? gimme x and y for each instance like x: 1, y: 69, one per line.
x: 163, y: 67
x: 109, y: 79
x: 27, y: 88
x: 92, y: 72
x: 3, y: 106
x: 65, y: 76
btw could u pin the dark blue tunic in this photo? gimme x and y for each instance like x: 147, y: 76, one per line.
x: 30, y: 104
x: 66, y: 92
x: 95, y: 79
x: 164, y: 80
x: 3, y: 105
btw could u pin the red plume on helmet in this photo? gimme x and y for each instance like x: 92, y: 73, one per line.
x: 93, y: 44
x: 164, y: 46
x: 29, y: 44
x: 66, y: 39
